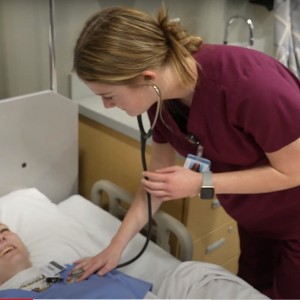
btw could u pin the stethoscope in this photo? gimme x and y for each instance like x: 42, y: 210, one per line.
x: 144, y: 136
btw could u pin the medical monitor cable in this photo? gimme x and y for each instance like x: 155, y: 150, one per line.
x: 144, y: 137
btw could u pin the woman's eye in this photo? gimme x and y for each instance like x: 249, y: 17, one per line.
x: 107, y: 98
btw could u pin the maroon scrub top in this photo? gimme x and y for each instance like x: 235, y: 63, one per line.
x: 245, y: 104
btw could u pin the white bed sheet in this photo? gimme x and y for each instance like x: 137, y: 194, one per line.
x: 76, y: 227
x: 172, y: 279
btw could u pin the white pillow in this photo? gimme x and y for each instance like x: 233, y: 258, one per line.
x: 47, y: 231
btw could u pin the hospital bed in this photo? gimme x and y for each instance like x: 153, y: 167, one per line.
x: 39, y: 200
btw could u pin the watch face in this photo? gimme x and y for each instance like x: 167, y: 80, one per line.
x: 207, y: 193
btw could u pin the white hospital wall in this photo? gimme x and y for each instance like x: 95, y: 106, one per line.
x: 24, y: 57
x: 23, y: 46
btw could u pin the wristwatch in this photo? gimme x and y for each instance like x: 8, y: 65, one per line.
x: 207, y: 190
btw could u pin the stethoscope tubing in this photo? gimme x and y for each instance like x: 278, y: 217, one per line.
x: 144, y: 136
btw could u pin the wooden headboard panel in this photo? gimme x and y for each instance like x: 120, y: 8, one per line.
x: 39, y: 144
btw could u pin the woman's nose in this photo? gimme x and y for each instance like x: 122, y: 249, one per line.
x: 108, y: 103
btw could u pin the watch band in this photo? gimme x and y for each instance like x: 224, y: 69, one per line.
x: 207, y: 190
x: 207, y: 179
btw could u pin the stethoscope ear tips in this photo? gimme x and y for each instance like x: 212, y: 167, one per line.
x: 147, y: 78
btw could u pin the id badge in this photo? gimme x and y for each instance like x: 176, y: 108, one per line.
x: 51, y: 269
x: 196, y: 163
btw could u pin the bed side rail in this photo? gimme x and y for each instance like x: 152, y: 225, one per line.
x: 164, y: 226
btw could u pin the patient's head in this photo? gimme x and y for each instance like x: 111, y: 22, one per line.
x: 14, y: 256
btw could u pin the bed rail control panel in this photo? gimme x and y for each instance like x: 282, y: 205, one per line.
x: 164, y: 226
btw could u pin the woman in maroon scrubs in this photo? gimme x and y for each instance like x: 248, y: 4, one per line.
x: 240, y: 107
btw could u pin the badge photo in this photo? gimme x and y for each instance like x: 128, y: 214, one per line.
x: 196, y: 163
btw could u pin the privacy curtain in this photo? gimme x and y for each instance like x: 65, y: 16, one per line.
x: 287, y: 33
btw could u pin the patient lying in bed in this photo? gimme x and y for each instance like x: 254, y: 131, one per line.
x: 18, y: 278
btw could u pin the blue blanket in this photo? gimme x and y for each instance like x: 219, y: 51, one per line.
x: 114, y: 285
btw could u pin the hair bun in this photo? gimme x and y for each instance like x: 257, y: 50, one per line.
x: 173, y: 29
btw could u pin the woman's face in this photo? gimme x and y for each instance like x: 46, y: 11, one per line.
x: 14, y: 256
x: 134, y: 100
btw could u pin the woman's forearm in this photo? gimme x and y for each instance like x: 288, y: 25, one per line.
x: 282, y: 173
x: 136, y: 218
x: 253, y: 181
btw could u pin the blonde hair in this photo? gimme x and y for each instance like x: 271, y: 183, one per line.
x: 117, y: 44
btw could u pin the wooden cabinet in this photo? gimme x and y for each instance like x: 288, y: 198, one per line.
x: 214, y: 232
x: 108, y: 154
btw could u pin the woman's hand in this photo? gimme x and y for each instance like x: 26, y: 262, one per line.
x: 101, y: 263
x: 172, y: 183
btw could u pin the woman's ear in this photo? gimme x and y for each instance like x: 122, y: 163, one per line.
x: 149, y: 75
